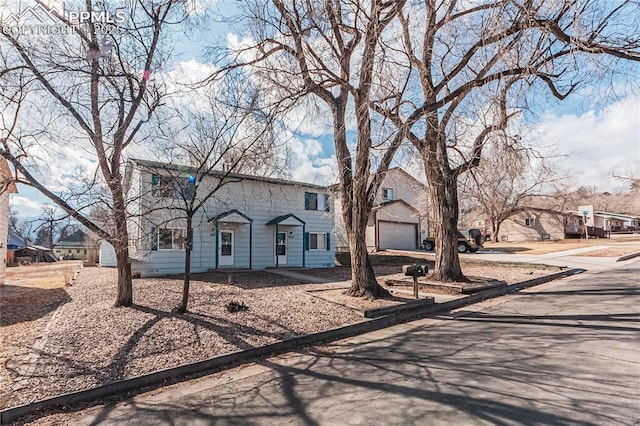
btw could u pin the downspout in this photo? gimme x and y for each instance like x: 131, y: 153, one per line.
x: 376, y: 233
x: 217, y: 237
x: 275, y: 247
x: 303, y: 251
x: 250, y: 244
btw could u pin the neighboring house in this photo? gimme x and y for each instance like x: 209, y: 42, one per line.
x: 527, y: 224
x: 534, y: 224
x: 398, y: 219
x: 251, y: 223
x: 77, y: 246
x: 7, y: 187
x: 609, y: 222
x: 20, y: 251
x: 620, y: 222
x: 34, y: 254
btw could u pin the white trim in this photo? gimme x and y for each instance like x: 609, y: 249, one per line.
x: 226, y: 260
x: 318, y: 239
x: 172, y: 239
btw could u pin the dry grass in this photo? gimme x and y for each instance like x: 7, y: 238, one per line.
x: 545, y: 247
x: 28, y: 299
x: 611, y: 252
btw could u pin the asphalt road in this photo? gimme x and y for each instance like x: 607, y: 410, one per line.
x: 564, y: 353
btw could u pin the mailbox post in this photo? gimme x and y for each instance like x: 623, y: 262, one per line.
x: 415, y: 271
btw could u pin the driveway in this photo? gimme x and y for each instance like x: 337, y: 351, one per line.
x: 567, y: 352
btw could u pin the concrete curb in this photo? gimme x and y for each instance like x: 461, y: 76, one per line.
x: 219, y: 363
x: 628, y: 256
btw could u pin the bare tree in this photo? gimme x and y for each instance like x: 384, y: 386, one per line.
x: 227, y: 135
x: 507, y: 180
x: 91, y: 86
x: 19, y: 226
x: 333, y: 52
x: 475, y: 65
x: 46, y: 230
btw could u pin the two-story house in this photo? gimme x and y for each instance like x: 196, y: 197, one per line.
x: 398, y: 219
x: 251, y: 222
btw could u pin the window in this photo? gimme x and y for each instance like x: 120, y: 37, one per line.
x: 226, y: 243
x: 317, y: 241
x: 172, y: 187
x: 387, y: 194
x: 530, y: 221
x: 77, y: 250
x: 315, y: 201
x: 171, y: 238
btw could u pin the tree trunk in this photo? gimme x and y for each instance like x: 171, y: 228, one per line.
x: 497, y: 230
x: 187, y: 266
x: 355, y: 210
x: 125, y: 289
x: 443, y: 202
x: 363, y: 279
x: 494, y: 230
x: 121, y: 246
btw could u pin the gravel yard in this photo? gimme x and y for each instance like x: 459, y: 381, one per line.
x: 90, y: 342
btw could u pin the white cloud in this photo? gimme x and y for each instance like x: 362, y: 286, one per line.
x: 597, y: 142
x: 28, y: 208
x: 308, y: 163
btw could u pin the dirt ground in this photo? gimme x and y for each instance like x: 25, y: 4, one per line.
x: 28, y: 298
x: 91, y: 343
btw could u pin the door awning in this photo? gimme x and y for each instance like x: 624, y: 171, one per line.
x: 232, y: 216
x: 287, y: 219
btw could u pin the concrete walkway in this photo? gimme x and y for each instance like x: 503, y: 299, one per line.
x: 298, y: 276
x: 564, y: 353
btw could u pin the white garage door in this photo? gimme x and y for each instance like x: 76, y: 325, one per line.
x: 401, y: 236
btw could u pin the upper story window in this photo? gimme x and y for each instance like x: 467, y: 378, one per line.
x: 387, y: 194
x: 530, y: 221
x: 171, y: 187
x: 315, y: 201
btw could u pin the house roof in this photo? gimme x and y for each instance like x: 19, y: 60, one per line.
x: 233, y: 216
x: 617, y: 216
x: 390, y: 203
x: 222, y: 174
x: 286, y: 219
x: 395, y: 169
x: 15, y: 241
x: 77, y: 239
x: 408, y: 175
x: 35, y: 247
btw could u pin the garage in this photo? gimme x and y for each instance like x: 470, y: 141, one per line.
x: 400, y: 236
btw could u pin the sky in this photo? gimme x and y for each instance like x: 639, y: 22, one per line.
x: 596, y: 140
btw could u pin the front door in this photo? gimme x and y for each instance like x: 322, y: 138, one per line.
x: 281, y: 248
x: 225, y: 248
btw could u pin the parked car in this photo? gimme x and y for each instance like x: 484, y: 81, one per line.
x: 472, y: 242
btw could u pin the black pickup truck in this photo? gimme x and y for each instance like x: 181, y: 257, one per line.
x: 471, y: 243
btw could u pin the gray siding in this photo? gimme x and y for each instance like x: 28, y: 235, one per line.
x: 258, y: 200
